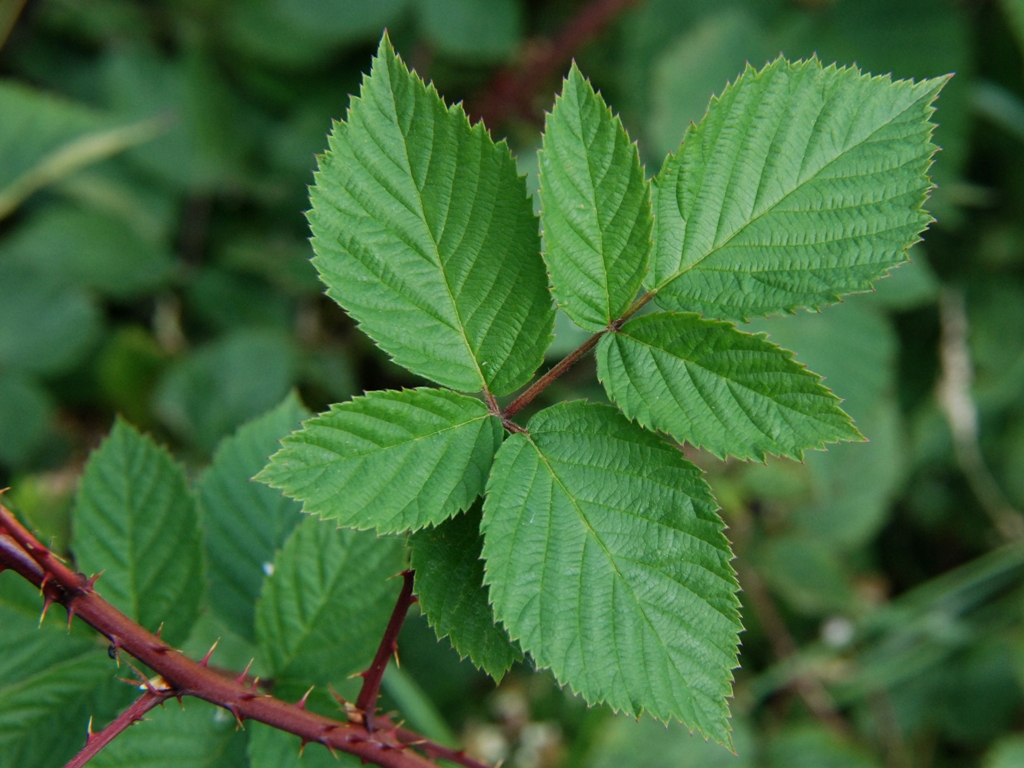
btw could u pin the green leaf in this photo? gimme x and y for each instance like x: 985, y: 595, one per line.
x: 393, y: 461
x: 814, y: 746
x: 480, y: 30
x: 217, y: 388
x: 44, y: 327
x: 706, y: 383
x: 197, y: 736
x: 606, y: 560
x: 76, y: 246
x: 25, y: 413
x: 271, y: 748
x: 596, y: 207
x: 625, y: 743
x: 49, y: 679
x: 135, y: 520
x: 802, y: 183
x: 424, y: 234
x: 245, y: 522
x: 449, y: 585
x: 324, y: 609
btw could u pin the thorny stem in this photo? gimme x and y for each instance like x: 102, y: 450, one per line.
x: 367, y: 700
x: 21, y: 552
x: 512, y: 89
x: 129, y: 717
x: 565, y: 364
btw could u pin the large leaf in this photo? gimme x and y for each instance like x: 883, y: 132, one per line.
x: 325, y: 607
x: 449, y: 585
x: 596, y: 207
x: 424, y: 233
x: 197, y: 736
x: 51, y: 680
x: 245, y: 522
x: 606, y: 560
x: 135, y: 520
x: 706, y: 383
x: 390, y: 460
x: 802, y: 183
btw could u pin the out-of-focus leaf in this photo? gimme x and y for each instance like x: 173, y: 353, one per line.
x: 909, y: 287
x: 228, y: 301
x: 45, y: 138
x: 79, y: 247
x: 570, y: 506
x: 198, y: 736
x: 135, y: 520
x: 324, y: 609
x: 217, y: 388
x: 281, y: 261
x: 694, y: 68
x: 1000, y: 105
x: 449, y: 585
x: 625, y: 743
x: 995, y: 311
x: 814, y: 746
x: 480, y: 30
x: 391, y: 460
x: 127, y: 371
x: 45, y: 327
x: 25, y: 413
x: 806, y: 573
x: 271, y: 748
x: 596, y: 207
x: 1008, y: 752
x: 424, y: 234
x: 49, y: 680
x: 813, y: 132
x: 245, y: 522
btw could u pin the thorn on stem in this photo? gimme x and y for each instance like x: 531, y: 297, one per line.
x: 205, y: 661
x: 245, y: 673
x: 88, y: 731
x: 47, y: 602
x: 91, y: 583
x: 301, y: 703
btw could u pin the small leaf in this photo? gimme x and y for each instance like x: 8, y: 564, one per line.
x: 708, y: 384
x: 607, y: 562
x: 325, y: 607
x: 245, y: 522
x: 449, y: 585
x: 596, y: 207
x: 801, y: 184
x: 424, y: 234
x: 135, y: 520
x: 197, y: 736
x: 393, y: 461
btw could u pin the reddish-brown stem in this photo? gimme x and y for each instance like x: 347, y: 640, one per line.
x: 511, y: 90
x: 367, y: 700
x: 20, y: 551
x: 130, y: 716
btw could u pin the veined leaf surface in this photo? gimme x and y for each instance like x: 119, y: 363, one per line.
x: 708, y: 384
x: 135, y: 520
x: 393, y: 461
x: 449, y: 585
x: 245, y: 522
x: 606, y: 560
x: 596, y: 207
x: 424, y: 234
x: 324, y: 609
x: 801, y: 184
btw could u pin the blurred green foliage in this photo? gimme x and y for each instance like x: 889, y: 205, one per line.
x: 154, y: 158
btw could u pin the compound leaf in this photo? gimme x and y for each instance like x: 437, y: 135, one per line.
x: 393, y: 461
x: 245, y: 522
x: 596, y: 207
x: 708, y: 384
x: 424, y: 234
x: 606, y: 560
x: 449, y: 585
x: 802, y: 183
x: 324, y: 609
x: 135, y: 520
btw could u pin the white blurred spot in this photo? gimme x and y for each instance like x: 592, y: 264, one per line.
x: 268, y: 568
x: 837, y: 632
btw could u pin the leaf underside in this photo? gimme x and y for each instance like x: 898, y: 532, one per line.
x: 802, y: 183
x: 596, y: 207
x: 424, y: 234
x: 708, y: 384
x: 393, y: 461
x: 606, y: 560
x: 245, y: 522
x: 135, y: 520
x: 449, y: 585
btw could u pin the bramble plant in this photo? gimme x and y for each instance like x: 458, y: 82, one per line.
x: 597, y: 550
